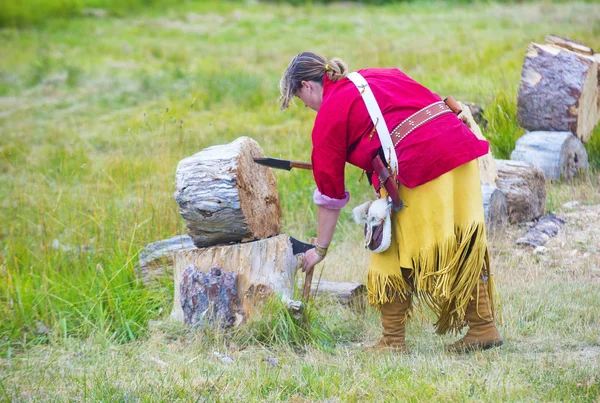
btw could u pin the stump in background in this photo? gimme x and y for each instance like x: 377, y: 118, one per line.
x: 560, y: 155
x: 525, y: 188
x: 487, y: 166
x: 225, y: 196
x: 494, y: 207
x: 558, y: 91
x: 263, y: 267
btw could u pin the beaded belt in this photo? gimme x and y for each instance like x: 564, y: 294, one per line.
x: 421, y: 117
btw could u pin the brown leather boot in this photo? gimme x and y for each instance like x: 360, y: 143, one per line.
x: 393, y: 319
x: 482, y: 333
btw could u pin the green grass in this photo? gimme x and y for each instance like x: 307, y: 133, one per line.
x: 95, y: 114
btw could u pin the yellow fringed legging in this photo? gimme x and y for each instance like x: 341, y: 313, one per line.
x: 439, y: 240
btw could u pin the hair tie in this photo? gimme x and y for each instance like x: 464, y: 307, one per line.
x: 326, y: 67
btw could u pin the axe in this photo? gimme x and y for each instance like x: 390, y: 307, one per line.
x: 297, y: 248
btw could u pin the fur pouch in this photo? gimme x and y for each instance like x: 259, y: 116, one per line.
x: 376, y: 218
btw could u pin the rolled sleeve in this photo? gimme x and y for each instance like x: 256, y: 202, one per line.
x: 328, y: 202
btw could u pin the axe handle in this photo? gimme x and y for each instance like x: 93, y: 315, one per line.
x: 307, y: 284
x: 301, y: 165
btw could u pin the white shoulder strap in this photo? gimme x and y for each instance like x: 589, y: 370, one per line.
x: 377, y: 118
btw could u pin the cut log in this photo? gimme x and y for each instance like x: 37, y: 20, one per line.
x: 560, y: 155
x: 263, y: 267
x: 494, y: 207
x: 156, y: 260
x: 487, y: 166
x: 546, y: 227
x: 569, y: 44
x: 348, y: 294
x: 558, y: 91
x: 525, y: 188
x: 225, y: 196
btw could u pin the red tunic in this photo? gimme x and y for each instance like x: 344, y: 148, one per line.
x: 343, y: 132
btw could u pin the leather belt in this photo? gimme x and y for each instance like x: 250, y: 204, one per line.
x: 386, y: 179
x: 418, y: 119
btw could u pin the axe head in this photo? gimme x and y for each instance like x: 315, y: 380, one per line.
x: 299, y: 246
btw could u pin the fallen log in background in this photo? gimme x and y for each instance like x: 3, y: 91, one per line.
x: 263, y: 267
x: 525, y: 188
x: 558, y: 91
x: 560, y: 155
x: 156, y: 260
x: 224, y: 196
x: 494, y: 207
x: 546, y: 227
x: 348, y: 294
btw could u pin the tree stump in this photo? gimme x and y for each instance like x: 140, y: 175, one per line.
x: 494, y: 207
x: 487, y: 166
x: 263, y: 267
x: 210, y: 299
x: 525, y: 188
x: 546, y: 227
x: 225, y: 196
x: 560, y: 155
x: 558, y: 91
x: 156, y: 260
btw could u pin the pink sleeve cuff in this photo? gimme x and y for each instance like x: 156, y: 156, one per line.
x: 333, y: 204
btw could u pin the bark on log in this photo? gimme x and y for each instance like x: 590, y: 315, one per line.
x: 560, y: 155
x: 525, y: 188
x: 546, y: 227
x: 224, y: 196
x: 558, y: 91
x: 210, y: 299
x: 348, y: 294
x: 494, y: 207
x: 487, y: 166
x: 156, y: 260
x: 263, y: 267
x: 569, y: 44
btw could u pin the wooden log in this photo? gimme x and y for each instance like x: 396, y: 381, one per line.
x: 494, y: 207
x: 487, y: 166
x: 263, y: 267
x: 225, y: 196
x: 156, y: 260
x: 558, y: 91
x: 560, y: 155
x: 544, y: 229
x: 348, y: 294
x: 525, y: 188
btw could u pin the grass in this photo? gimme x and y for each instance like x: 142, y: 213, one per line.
x: 95, y: 114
